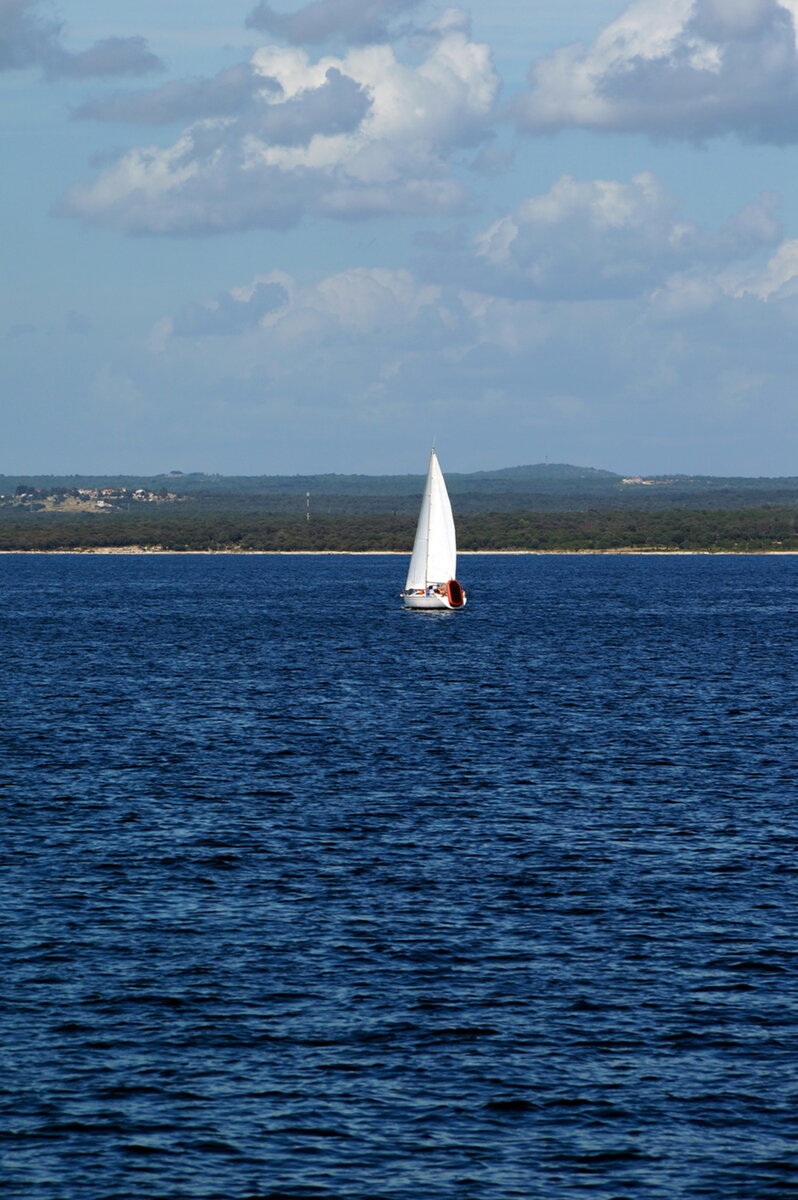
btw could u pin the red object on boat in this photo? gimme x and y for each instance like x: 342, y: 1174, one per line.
x: 455, y: 594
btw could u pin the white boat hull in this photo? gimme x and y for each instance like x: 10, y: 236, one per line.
x: 431, y: 602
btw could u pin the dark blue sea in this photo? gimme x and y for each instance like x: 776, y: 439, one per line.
x: 306, y: 896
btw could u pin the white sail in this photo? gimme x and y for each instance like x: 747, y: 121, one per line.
x: 434, y: 558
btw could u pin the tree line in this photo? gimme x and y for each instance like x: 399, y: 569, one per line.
x: 752, y: 529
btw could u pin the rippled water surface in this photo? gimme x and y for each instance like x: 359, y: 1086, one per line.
x: 308, y: 896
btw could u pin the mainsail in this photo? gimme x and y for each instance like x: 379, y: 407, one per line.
x: 434, y: 558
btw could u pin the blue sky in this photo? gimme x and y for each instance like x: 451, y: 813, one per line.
x: 293, y: 237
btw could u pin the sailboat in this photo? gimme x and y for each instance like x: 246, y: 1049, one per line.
x: 431, y: 579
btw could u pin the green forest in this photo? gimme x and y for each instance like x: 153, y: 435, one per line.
x: 188, y: 528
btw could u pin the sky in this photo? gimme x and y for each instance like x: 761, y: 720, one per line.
x: 286, y: 237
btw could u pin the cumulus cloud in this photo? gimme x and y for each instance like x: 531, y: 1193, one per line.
x: 351, y: 306
x: 601, y: 239
x: 344, y: 137
x: 231, y: 312
x: 492, y: 160
x: 30, y: 39
x: 223, y: 95
x: 354, y: 340
x: 592, y: 234
x: 693, y: 69
x: 360, y: 22
x: 387, y: 350
x: 777, y: 279
x: 26, y: 38
x: 337, y: 106
x: 111, y: 56
x: 600, y: 245
x: 698, y: 344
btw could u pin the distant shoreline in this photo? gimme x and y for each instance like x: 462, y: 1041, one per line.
x: 627, y: 550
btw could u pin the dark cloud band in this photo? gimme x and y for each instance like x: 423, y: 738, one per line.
x: 29, y: 39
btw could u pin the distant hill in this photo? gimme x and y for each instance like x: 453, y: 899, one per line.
x: 548, y: 472
x: 512, y: 479
x: 536, y: 487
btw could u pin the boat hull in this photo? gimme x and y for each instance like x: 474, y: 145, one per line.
x: 434, y: 601
x: 426, y: 602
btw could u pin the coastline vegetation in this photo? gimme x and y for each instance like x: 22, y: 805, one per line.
x: 190, y: 528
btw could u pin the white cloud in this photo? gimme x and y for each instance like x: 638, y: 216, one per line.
x: 352, y: 303
x: 365, y: 300
x: 691, y: 69
x: 701, y: 347
x: 778, y: 278
x: 377, y: 137
x: 231, y: 313
x: 596, y: 243
x: 598, y: 239
x: 685, y: 296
